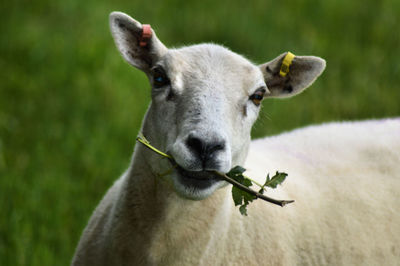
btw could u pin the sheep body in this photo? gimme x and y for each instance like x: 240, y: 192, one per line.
x: 205, y: 99
x: 343, y: 176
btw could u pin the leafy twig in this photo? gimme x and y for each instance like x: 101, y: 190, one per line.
x: 242, y: 194
x: 236, y: 178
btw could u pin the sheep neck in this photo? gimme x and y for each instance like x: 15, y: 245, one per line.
x: 158, y: 218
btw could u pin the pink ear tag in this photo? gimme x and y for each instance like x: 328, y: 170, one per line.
x: 146, y: 35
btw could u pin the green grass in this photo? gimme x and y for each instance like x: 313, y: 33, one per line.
x: 70, y: 107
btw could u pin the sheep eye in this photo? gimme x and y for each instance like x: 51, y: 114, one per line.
x: 258, y: 96
x: 160, y: 79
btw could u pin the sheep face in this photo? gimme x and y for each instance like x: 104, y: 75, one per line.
x: 203, y: 105
x: 205, y: 100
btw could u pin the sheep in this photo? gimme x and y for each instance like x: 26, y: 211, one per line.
x: 205, y: 99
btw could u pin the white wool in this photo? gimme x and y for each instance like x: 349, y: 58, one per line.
x: 344, y: 177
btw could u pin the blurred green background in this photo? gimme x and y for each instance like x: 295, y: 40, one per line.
x: 70, y: 107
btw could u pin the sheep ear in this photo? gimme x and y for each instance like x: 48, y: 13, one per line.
x: 302, y: 72
x: 128, y: 37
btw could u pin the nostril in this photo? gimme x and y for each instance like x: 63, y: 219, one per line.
x: 203, y: 149
x: 196, y: 144
x: 216, y: 147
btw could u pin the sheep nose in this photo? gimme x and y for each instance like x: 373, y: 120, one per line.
x: 204, y: 150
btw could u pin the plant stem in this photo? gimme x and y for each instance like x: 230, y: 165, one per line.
x: 145, y: 142
x: 255, y: 182
x: 281, y: 203
x: 255, y: 193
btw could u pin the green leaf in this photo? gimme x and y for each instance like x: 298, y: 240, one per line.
x: 276, y: 180
x: 243, y: 198
x: 243, y: 210
x: 238, y: 178
x: 236, y: 171
x: 247, y: 197
x: 246, y: 182
x: 237, y: 195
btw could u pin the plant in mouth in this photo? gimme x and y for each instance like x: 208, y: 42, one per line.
x: 242, y: 194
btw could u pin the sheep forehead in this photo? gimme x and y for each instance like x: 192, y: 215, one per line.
x: 209, y: 66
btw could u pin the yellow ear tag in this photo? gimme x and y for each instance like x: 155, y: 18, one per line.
x: 287, y: 61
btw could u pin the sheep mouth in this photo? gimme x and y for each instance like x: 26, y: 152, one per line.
x: 197, y: 179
